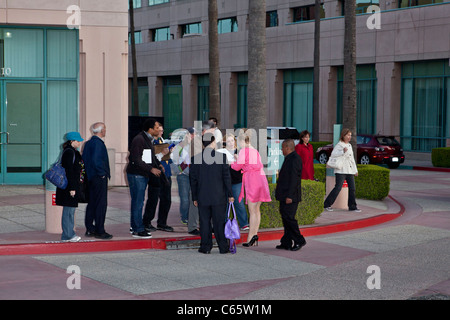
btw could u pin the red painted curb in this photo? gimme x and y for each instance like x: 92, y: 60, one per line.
x: 160, y: 243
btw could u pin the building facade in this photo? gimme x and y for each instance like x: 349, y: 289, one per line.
x: 63, y: 67
x: 403, y: 71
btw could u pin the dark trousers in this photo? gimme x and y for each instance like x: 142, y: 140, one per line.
x: 218, y: 216
x: 340, y: 178
x: 163, y: 193
x: 290, y: 224
x: 96, y: 207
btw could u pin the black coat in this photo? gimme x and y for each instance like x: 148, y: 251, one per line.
x: 289, y: 184
x: 73, y: 171
x: 136, y: 165
x: 210, y: 182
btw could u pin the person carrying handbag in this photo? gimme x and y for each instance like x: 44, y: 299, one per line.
x: 71, y: 161
x: 346, y: 171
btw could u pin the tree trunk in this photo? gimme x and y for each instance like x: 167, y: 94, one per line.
x: 349, y: 85
x: 214, y: 75
x: 135, y: 95
x: 256, y: 94
x: 316, y: 85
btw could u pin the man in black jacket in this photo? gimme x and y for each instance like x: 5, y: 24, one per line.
x: 289, y: 193
x: 211, y: 191
x: 142, y: 166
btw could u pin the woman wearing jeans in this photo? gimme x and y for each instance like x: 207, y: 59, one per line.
x: 348, y: 172
x: 182, y: 160
x: 72, y: 162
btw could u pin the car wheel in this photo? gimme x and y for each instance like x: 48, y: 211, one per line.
x: 365, y: 159
x: 323, y: 158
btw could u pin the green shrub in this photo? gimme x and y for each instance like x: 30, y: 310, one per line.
x: 309, y: 209
x: 320, y: 172
x: 440, y: 157
x: 372, y: 182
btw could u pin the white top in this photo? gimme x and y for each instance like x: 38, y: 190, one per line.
x: 349, y: 165
x: 180, y: 155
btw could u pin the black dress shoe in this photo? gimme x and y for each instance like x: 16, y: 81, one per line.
x: 104, y: 236
x: 204, y: 251
x: 150, y: 228
x: 297, y: 246
x: 90, y: 234
x: 194, y: 232
x: 282, y: 247
x: 165, y: 228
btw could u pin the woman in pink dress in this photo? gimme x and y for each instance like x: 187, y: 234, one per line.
x: 254, y: 184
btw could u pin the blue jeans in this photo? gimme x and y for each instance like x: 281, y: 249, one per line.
x: 241, y: 212
x: 184, y: 188
x: 138, y: 185
x: 67, y: 223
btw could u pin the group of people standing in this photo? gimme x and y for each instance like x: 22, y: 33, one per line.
x: 205, y: 187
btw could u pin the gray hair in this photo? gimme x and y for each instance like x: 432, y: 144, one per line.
x: 98, y: 127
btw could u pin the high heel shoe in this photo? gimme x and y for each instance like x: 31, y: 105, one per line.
x: 253, y: 241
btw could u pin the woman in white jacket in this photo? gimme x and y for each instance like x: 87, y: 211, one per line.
x: 348, y: 172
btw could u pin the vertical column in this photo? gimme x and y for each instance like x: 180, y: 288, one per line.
x: 388, y: 97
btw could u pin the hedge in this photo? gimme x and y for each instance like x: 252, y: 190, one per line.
x: 440, y: 157
x: 309, y: 208
x: 372, y: 182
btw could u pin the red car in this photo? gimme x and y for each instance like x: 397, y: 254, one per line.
x: 372, y: 149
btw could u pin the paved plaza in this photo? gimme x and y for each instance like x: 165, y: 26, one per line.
x: 410, y: 254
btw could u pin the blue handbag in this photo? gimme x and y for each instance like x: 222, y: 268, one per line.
x: 57, y: 174
x: 232, y: 229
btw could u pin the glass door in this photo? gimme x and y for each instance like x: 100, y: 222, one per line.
x: 21, y: 135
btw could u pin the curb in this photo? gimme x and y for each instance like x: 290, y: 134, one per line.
x: 88, y: 246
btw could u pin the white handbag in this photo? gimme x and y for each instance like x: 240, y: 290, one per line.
x: 336, y: 162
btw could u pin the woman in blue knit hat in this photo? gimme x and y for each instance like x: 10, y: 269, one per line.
x: 72, y: 162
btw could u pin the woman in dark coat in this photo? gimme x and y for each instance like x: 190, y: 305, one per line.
x: 72, y: 162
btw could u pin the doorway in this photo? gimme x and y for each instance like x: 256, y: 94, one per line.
x: 21, y: 132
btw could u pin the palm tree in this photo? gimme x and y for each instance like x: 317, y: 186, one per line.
x: 214, y: 75
x: 316, y: 85
x: 135, y: 95
x: 256, y: 95
x: 349, y: 85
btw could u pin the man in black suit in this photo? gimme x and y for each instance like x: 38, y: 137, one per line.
x: 289, y: 193
x: 211, y: 185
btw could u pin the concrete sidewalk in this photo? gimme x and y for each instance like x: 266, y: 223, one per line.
x: 410, y: 250
x: 22, y: 223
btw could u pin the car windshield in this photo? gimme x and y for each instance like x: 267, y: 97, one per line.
x: 388, y: 141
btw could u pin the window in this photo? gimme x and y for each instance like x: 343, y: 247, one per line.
x: 143, y: 93
x: 137, y: 37
x: 191, y: 28
x: 306, y: 13
x: 161, y: 34
x: 271, y: 19
x: 366, y: 98
x: 172, y: 104
x: 298, y: 99
x: 425, y: 115
x: 155, y: 2
x: 242, y: 106
x: 136, y: 4
x: 203, y: 97
x: 413, y: 3
x: 227, y: 25
x: 361, y: 5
